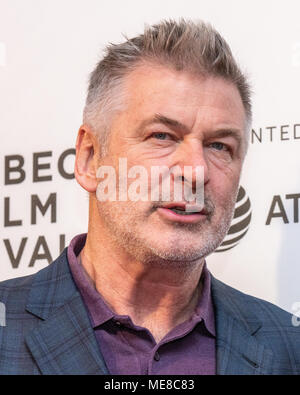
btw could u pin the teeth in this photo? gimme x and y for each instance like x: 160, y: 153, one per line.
x: 181, y: 212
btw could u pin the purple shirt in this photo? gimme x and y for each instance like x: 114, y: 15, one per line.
x: 189, y: 348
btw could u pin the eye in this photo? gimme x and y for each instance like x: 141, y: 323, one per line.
x: 160, y: 135
x: 219, y: 146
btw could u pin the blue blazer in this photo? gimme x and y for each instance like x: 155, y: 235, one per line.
x: 48, y: 330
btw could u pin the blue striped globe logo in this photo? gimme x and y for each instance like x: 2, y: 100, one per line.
x: 240, y: 222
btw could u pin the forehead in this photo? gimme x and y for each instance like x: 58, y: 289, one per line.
x: 192, y: 99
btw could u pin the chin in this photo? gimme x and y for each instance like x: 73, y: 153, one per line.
x: 180, y: 252
x: 187, y: 247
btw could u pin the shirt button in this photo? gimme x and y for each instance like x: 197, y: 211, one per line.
x: 118, y: 323
x: 156, y: 356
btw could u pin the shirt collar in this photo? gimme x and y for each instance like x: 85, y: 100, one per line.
x: 99, y: 311
x: 205, y: 305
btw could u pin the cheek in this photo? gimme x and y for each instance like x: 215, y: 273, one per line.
x: 224, y: 169
x: 223, y: 185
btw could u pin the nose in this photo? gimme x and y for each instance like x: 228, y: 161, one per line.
x: 191, y: 155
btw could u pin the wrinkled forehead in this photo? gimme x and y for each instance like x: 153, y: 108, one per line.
x: 206, y: 100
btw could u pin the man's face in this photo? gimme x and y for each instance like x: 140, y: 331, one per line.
x: 176, y: 118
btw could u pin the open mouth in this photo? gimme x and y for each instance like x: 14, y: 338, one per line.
x: 182, y: 211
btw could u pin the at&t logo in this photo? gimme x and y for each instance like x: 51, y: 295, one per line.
x: 240, y: 223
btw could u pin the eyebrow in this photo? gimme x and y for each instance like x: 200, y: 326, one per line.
x: 235, y: 133
x: 159, y: 118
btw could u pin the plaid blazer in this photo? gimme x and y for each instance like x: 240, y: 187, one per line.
x: 48, y: 329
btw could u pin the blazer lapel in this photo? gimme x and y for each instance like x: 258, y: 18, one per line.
x: 238, y: 352
x: 63, y: 342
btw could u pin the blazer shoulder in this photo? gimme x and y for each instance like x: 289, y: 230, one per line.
x: 269, y: 325
x: 14, y: 292
x: 251, y: 307
x: 16, y: 323
x: 42, y: 292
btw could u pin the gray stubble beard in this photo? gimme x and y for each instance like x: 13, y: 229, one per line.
x: 175, y: 256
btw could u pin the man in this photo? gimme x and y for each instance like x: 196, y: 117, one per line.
x: 134, y: 295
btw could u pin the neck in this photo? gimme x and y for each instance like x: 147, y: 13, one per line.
x: 153, y: 296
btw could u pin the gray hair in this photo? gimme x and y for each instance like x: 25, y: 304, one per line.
x: 184, y: 45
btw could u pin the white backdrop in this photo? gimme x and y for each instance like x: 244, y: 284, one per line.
x: 48, y: 48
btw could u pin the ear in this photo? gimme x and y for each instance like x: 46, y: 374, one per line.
x: 87, y: 156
